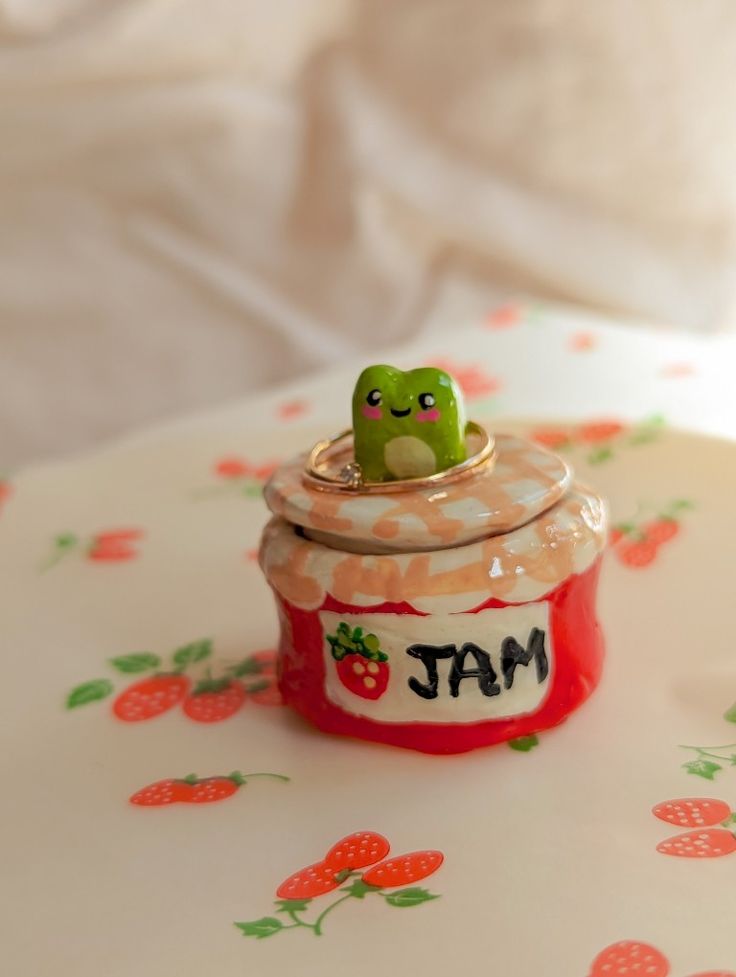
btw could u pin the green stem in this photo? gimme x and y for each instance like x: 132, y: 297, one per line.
x: 276, y: 776
x: 317, y: 925
x: 705, y: 751
x: 58, y: 555
x: 700, y: 749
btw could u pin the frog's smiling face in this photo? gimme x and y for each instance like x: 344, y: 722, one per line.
x: 407, y: 424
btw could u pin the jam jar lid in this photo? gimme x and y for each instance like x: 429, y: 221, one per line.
x: 524, y: 481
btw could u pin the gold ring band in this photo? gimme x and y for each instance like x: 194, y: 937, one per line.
x: 330, y: 468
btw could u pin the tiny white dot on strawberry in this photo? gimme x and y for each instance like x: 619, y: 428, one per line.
x: 358, y: 668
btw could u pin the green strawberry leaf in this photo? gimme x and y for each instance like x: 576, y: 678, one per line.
x: 371, y: 642
x: 259, y: 686
x: 196, y: 651
x: 702, y: 768
x: 292, y: 905
x: 360, y: 889
x: 730, y: 714
x: 524, y: 743
x: 405, y: 898
x: 261, y: 928
x: 212, y: 685
x: 89, y: 692
x: 249, y: 666
x: 135, y: 663
x: 66, y: 540
x: 600, y: 455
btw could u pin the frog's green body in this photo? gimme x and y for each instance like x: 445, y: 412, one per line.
x: 407, y: 425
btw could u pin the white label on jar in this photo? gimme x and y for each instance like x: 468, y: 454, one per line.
x: 493, y: 664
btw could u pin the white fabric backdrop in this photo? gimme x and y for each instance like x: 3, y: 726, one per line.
x: 200, y: 199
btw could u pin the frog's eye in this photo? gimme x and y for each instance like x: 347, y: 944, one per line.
x: 426, y: 401
x: 374, y: 398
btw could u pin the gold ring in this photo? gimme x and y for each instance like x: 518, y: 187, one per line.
x: 331, y: 466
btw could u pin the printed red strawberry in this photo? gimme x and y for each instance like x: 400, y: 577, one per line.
x: 357, y: 850
x: 712, y: 843
x: 504, y: 316
x: 314, y: 880
x: 119, y: 535
x: 661, y: 530
x: 150, y: 697
x: 404, y: 869
x: 215, y: 789
x: 630, y: 959
x: 368, y: 679
x: 193, y: 790
x: 600, y: 431
x: 214, y: 700
x: 265, y: 660
x: 232, y: 468
x: 6, y: 491
x: 692, y: 812
x: 163, y: 792
x: 637, y: 554
x: 551, y: 438
x: 361, y: 665
x: 716, y: 973
x: 265, y: 693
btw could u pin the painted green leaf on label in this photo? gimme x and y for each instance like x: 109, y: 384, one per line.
x: 135, y: 663
x: 730, y: 714
x: 89, y: 692
x: 702, y: 768
x: 197, y: 651
x: 524, y: 743
x: 261, y: 928
x: 409, y: 897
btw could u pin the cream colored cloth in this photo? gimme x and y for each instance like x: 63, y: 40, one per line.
x: 197, y: 200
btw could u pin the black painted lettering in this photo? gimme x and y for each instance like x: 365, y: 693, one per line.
x: 512, y: 654
x: 483, y: 671
x: 428, y: 655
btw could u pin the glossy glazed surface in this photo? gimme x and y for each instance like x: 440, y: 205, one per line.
x: 525, y: 481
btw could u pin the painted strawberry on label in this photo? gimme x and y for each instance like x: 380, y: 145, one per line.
x: 361, y: 665
x: 357, y: 850
x: 712, y: 843
x: 214, y: 700
x: 150, y: 697
x: 404, y: 869
x: 367, y: 679
x: 630, y: 959
x: 314, y: 880
x: 692, y: 812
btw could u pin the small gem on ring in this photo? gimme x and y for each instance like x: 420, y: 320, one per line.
x: 352, y: 474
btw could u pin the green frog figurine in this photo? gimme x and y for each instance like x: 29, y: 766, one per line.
x: 407, y: 424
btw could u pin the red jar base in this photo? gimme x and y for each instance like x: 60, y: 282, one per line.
x: 575, y: 636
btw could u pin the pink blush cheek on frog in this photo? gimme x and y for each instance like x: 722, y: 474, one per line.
x: 372, y: 413
x: 428, y: 415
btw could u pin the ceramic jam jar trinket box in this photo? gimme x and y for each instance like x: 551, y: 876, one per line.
x: 435, y: 585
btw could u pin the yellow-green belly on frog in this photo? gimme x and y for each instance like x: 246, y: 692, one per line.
x: 408, y: 457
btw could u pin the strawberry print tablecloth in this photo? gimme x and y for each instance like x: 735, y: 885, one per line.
x: 164, y: 814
